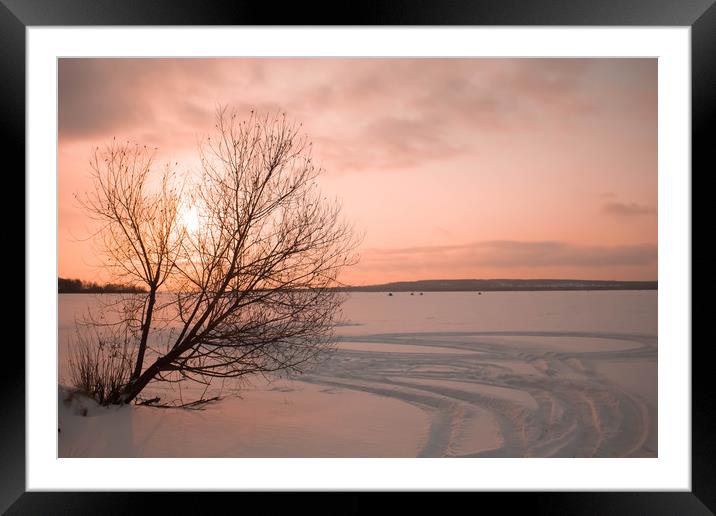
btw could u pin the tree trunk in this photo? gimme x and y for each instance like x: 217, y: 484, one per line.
x: 145, y: 334
x: 134, y: 387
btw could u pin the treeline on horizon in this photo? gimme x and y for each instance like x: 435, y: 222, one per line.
x: 76, y: 286
x: 487, y: 285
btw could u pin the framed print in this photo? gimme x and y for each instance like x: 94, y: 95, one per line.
x: 435, y: 250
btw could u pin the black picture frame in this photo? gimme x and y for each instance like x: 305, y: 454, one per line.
x: 17, y: 15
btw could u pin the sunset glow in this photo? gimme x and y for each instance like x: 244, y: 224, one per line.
x: 450, y: 168
x: 189, y: 219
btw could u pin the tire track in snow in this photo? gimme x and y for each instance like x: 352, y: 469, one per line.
x: 578, y: 413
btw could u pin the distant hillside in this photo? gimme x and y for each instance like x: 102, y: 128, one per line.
x: 75, y: 286
x: 503, y: 284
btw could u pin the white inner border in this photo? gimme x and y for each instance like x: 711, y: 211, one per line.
x: 671, y: 470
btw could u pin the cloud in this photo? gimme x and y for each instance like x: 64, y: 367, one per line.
x: 109, y: 97
x: 389, y: 143
x: 511, y: 254
x: 93, y: 97
x: 364, y: 113
x: 628, y: 210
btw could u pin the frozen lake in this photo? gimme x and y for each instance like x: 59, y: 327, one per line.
x: 502, y: 374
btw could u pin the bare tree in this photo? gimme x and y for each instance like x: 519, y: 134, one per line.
x: 248, y: 286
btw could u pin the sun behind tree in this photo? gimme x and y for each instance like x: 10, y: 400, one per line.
x: 248, y: 256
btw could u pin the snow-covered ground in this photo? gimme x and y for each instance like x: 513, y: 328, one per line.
x: 502, y: 374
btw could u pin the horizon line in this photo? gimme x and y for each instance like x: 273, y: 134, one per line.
x: 505, y: 279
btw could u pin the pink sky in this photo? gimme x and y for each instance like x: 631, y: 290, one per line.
x: 453, y: 168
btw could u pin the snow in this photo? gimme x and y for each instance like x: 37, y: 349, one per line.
x: 288, y: 419
x: 504, y: 374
